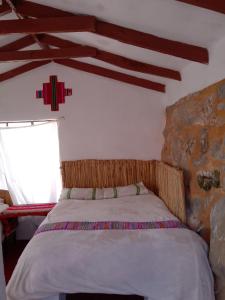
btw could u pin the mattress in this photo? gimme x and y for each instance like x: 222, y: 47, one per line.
x: 129, y: 245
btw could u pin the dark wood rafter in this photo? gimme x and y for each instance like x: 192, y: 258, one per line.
x: 63, y: 24
x: 124, y: 35
x: 215, y: 5
x: 36, y: 10
x: 117, y: 60
x: 18, y: 44
x: 74, y: 64
x: 19, y: 16
x: 26, y: 41
x: 22, y: 69
x: 4, y: 9
x: 79, y: 51
x: 58, y: 42
x: 152, y: 42
x: 137, y: 66
x: 45, y: 19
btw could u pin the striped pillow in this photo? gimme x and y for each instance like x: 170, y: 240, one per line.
x: 82, y: 193
x: 104, y: 193
x: 123, y: 191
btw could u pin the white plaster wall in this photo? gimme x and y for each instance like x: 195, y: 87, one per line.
x: 197, y: 76
x: 103, y: 118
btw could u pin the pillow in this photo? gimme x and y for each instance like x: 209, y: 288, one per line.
x: 123, y: 191
x: 82, y: 193
x: 104, y: 193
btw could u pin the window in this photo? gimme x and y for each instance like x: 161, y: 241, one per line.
x: 29, y: 161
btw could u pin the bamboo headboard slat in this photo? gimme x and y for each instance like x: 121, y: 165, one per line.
x: 165, y: 181
x: 170, y: 188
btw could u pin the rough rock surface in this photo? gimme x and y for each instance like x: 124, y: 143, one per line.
x: 195, y: 141
x: 217, y: 247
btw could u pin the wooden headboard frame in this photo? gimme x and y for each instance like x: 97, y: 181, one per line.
x: 165, y: 181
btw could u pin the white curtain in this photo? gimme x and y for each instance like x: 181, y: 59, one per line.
x: 30, y: 163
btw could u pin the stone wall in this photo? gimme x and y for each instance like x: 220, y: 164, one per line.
x: 195, y: 141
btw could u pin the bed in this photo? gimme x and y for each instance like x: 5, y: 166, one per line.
x: 130, y: 245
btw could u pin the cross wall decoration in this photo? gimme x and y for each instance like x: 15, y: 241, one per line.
x: 53, y: 93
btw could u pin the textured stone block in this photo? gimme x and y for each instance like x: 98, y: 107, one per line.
x: 195, y: 141
x: 217, y: 247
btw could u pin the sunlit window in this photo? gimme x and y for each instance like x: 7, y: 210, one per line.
x: 29, y: 161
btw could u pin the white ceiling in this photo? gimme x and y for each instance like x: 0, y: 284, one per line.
x: 166, y: 18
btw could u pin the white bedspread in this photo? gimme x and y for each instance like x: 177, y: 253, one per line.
x: 160, y: 264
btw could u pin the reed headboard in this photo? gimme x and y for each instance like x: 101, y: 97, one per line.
x: 165, y: 181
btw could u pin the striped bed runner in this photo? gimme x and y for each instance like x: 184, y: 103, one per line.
x: 108, y: 225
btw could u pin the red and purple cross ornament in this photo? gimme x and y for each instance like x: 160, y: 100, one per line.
x: 53, y: 93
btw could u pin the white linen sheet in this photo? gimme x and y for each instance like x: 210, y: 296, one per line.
x: 159, y: 264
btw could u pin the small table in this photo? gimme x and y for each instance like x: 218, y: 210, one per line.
x: 10, y: 216
x: 9, y: 219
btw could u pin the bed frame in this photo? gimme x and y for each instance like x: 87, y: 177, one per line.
x: 165, y: 181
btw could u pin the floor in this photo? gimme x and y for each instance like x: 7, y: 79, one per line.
x: 12, y: 250
x: 11, y: 253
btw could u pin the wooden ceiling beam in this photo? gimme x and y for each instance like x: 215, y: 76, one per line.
x: 62, y: 24
x: 22, y: 69
x: 33, y: 9
x: 12, y: 5
x: 79, y: 51
x: 18, y: 44
x: 117, y: 60
x: 74, y: 64
x: 215, y: 5
x: 125, y: 35
x: 152, y: 42
x: 137, y: 66
x: 5, y: 9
